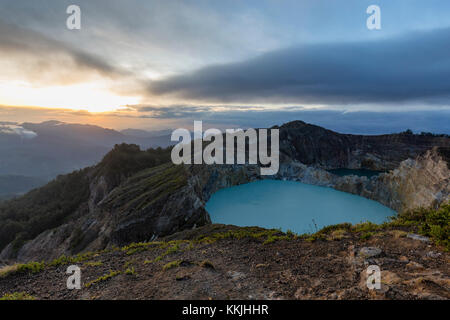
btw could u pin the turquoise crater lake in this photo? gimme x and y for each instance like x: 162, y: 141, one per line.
x: 289, y: 205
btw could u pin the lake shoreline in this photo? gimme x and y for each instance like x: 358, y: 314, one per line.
x: 290, y: 205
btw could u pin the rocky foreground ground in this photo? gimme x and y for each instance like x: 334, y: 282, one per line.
x: 227, y: 262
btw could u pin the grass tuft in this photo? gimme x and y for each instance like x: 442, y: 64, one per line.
x: 17, y: 296
x: 171, y: 265
x: 106, y: 277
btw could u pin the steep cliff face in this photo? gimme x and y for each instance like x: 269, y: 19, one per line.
x: 153, y: 203
x: 319, y: 147
x: 143, y: 204
x: 420, y: 182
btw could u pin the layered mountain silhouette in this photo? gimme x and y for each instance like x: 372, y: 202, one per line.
x: 38, y: 152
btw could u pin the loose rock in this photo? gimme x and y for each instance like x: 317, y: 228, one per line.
x: 369, y: 252
x: 418, y: 237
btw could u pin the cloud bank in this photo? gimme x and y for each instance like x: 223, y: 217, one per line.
x: 412, y: 67
x: 45, y: 60
x: 11, y: 129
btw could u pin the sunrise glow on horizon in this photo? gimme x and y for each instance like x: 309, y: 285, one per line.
x: 89, y: 97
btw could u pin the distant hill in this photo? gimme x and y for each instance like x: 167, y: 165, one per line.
x: 44, y: 150
x: 13, y: 185
x: 145, y: 133
x: 49, y: 206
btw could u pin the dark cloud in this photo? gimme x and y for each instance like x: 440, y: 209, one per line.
x: 43, y: 58
x: 405, y: 68
x: 188, y: 111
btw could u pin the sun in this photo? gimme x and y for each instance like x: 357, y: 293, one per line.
x: 92, y: 97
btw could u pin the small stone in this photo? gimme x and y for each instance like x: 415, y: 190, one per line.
x: 418, y: 237
x: 235, y: 275
x: 369, y: 252
x: 403, y: 259
x: 414, y: 266
x: 433, y: 255
x: 427, y: 296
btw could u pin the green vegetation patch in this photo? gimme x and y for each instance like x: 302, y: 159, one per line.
x: 93, y: 264
x: 366, y: 235
x: 35, y: 267
x: 269, y: 236
x: 64, y: 260
x: 174, y: 248
x: 171, y: 265
x: 31, y: 267
x: 148, y: 186
x: 125, y: 160
x: 17, y: 296
x: 324, y: 233
x: 141, y: 246
x: 171, y: 247
x: 130, y: 272
x: 106, y: 277
x: 433, y: 223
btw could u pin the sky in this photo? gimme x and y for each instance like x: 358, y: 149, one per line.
x: 160, y: 64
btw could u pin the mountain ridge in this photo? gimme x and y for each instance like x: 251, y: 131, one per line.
x: 53, y: 147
